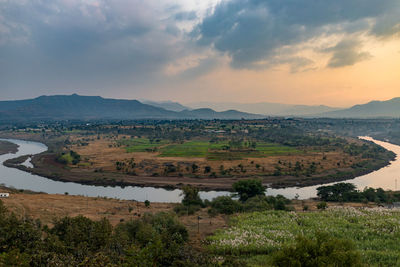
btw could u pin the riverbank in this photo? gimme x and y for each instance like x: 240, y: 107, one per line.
x: 45, y: 165
x: 7, y: 147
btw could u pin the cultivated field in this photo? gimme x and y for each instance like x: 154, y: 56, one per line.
x: 164, y: 158
x: 375, y: 232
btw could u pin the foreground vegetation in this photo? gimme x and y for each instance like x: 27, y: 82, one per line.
x: 374, y: 232
x: 153, y: 240
x: 264, y: 231
x: 268, y: 233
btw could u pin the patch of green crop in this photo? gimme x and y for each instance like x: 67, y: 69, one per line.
x: 141, y: 144
x: 222, y: 151
x: 191, y: 149
x: 270, y: 149
x: 375, y: 232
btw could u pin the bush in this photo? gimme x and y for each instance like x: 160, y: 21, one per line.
x: 258, y: 203
x: 70, y: 157
x: 225, y: 205
x: 322, y: 250
x: 181, y: 209
x: 153, y: 240
x: 82, y: 234
x: 322, y: 205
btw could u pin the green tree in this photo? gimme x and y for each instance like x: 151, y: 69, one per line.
x: 248, y: 188
x: 191, y: 196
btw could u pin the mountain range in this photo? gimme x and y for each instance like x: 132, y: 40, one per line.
x: 267, y: 108
x: 77, y: 107
x: 373, y: 109
x: 168, y: 105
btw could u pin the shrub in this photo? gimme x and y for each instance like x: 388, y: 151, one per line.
x: 70, y: 157
x: 82, y: 233
x: 225, y: 205
x: 258, y: 203
x: 322, y: 205
x: 181, y: 209
x: 322, y: 250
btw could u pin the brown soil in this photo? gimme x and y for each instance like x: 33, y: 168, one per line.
x: 103, y: 154
x: 47, y: 208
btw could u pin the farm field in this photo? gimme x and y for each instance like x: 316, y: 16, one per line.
x: 141, y: 145
x: 204, y: 149
x: 162, y: 157
x: 374, y: 231
x: 219, y: 151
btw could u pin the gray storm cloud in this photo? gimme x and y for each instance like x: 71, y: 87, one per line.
x: 91, y: 46
x: 253, y: 30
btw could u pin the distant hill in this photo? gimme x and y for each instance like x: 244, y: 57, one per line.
x: 205, y: 113
x: 76, y: 107
x: 266, y: 108
x: 168, y: 105
x: 373, y: 109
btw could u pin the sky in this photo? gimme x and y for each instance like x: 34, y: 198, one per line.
x: 332, y: 52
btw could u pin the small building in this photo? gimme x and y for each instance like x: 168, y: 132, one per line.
x: 4, y: 195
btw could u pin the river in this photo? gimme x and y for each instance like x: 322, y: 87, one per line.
x: 11, y: 177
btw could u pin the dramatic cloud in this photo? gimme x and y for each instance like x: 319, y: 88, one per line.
x: 71, y: 44
x: 346, y: 53
x: 254, y: 31
x: 169, y: 49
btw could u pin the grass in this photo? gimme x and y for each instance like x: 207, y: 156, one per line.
x: 204, y: 149
x: 375, y: 232
x: 190, y: 149
x: 141, y: 145
x: 216, y: 151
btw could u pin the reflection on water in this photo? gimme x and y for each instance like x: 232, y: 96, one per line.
x: 385, y: 178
